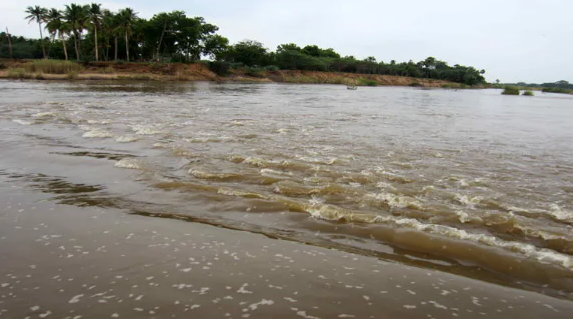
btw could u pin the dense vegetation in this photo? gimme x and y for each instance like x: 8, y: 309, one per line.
x: 551, y: 87
x: 92, y: 33
x: 528, y: 93
x: 510, y: 90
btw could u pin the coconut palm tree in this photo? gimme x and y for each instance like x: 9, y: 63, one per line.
x: 94, y: 15
x: 107, y: 28
x: 111, y: 28
x: 38, y: 15
x: 56, y: 25
x: 75, y: 16
x: 126, y: 19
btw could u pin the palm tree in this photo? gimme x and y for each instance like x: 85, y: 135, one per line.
x: 94, y: 16
x: 56, y: 25
x: 111, y: 28
x: 37, y: 14
x: 75, y: 16
x: 107, y: 28
x: 126, y: 18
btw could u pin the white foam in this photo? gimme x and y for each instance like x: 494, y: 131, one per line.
x: 44, y: 114
x: 75, y: 299
x: 317, y: 160
x: 465, y: 217
x: 468, y: 200
x: 125, y: 139
x: 395, y: 201
x: 97, y: 133
x: 129, y: 163
x: 543, y: 255
x: 561, y: 214
x: 255, y: 161
x: 23, y: 122
x: 145, y: 130
x: 267, y: 171
x: 99, y: 122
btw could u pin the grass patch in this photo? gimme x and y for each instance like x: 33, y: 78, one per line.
x: 181, y: 76
x: 137, y: 77
x: 18, y: 73
x: 528, y: 93
x: 72, y: 75
x: 556, y: 90
x: 367, y: 82
x: 300, y: 79
x: 52, y: 67
x: 337, y: 80
x: 510, y: 90
x: 415, y: 84
x: 107, y: 70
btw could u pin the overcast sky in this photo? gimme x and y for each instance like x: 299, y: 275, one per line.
x: 513, y: 40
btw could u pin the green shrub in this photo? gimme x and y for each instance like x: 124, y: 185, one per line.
x: 528, y: 93
x: 254, y: 71
x: 510, y: 90
x: 446, y: 86
x: 220, y: 68
x: 52, y: 67
x: 236, y: 65
x: 3, y: 66
x: 367, y: 82
x: 415, y: 84
x: 271, y: 68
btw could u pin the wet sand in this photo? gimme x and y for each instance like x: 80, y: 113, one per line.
x: 62, y: 261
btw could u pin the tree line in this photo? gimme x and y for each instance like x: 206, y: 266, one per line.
x: 550, y: 87
x: 92, y: 33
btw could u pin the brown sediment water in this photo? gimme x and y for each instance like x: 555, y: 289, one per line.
x: 381, y: 202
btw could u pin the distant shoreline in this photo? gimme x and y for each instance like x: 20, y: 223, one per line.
x: 15, y: 69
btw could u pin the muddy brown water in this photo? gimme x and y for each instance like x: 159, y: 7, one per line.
x: 468, y: 185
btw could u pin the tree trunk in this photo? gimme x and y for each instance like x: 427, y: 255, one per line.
x: 51, y: 42
x: 9, y: 41
x: 95, y: 41
x: 126, y: 46
x: 42, y: 39
x: 106, y: 54
x: 76, y: 45
x: 161, y: 40
x: 64, y: 45
x: 115, y: 47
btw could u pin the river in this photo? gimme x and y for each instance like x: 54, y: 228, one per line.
x: 465, y: 182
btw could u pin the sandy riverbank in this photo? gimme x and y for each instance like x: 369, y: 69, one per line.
x: 200, y: 72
